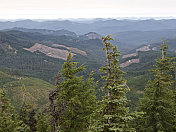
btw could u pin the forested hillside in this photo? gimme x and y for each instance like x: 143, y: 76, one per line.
x: 72, y: 105
x: 87, y: 66
x: 41, y: 72
x: 129, y: 34
x: 16, y: 86
x: 14, y: 55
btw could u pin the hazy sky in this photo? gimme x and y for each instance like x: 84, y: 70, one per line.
x: 54, y: 9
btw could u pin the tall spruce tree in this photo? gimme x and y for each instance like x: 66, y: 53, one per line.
x: 115, y: 114
x: 76, y: 98
x: 158, y: 100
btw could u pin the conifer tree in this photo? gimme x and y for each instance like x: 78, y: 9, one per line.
x: 76, y: 98
x: 115, y: 114
x: 158, y: 100
x: 27, y: 111
x: 43, y: 122
x: 8, y: 119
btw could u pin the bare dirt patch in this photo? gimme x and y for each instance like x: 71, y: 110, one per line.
x: 52, y: 52
x: 75, y: 50
x: 129, y: 62
x: 129, y: 55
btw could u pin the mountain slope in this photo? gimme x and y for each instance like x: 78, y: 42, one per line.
x: 137, y: 74
x: 16, y: 47
x: 36, y: 90
x: 132, y: 39
x: 127, y: 33
x: 45, y: 31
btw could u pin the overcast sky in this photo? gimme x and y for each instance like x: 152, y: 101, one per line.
x: 54, y: 9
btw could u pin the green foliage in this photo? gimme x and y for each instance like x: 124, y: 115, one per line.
x: 39, y: 65
x: 36, y: 88
x: 76, y: 101
x: 5, y: 78
x: 137, y: 75
x: 114, y: 113
x: 158, y: 101
x: 43, y: 122
x: 76, y: 98
x: 27, y: 115
x: 8, y: 119
x: 137, y: 85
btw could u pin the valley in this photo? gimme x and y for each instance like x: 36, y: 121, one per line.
x: 35, y: 54
x: 88, y: 66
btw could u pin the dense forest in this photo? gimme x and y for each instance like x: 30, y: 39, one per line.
x: 74, y: 105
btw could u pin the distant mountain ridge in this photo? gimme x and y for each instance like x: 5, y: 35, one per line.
x: 62, y: 32
x: 128, y: 34
x: 46, y: 31
x: 134, y: 56
x: 132, y: 39
x: 102, y: 27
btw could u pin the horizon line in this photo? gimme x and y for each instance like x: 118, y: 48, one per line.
x: 90, y: 19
